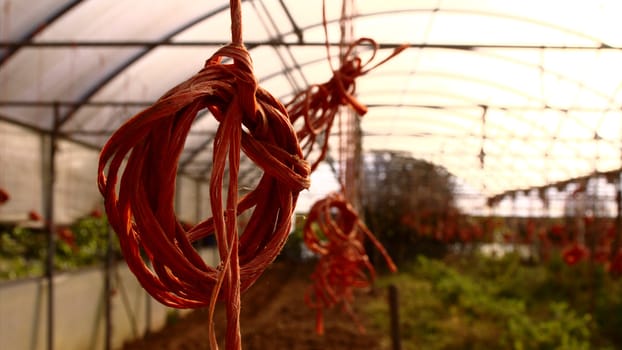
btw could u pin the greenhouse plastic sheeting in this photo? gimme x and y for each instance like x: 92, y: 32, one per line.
x: 503, y: 94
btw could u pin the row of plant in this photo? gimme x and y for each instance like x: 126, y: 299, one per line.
x: 477, y: 302
x: 23, y: 250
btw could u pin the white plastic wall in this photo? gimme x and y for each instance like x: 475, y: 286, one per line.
x: 79, y: 315
x: 188, y: 201
x: 76, y: 182
x: 20, y: 171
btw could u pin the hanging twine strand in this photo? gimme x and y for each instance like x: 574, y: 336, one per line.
x: 313, y: 111
x: 236, y: 22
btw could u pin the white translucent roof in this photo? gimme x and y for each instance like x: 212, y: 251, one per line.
x: 503, y: 94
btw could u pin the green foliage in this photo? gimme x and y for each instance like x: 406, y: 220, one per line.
x: 23, y: 251
x: 481, y: 303
x: 91, y: 240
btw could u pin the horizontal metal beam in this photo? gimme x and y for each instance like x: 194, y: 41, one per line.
x: 487, y: 138
x: 51, y: 104
x: 558, y: 184
x: 105, y: 132
x: 385, y: 45
x: 142, y: 104
x: 499, y: 107
x: 37, y: 29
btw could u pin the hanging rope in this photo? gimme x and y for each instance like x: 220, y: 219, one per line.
x: 312, y: 111
x: 343, y: 263
x: 141, y: 209
x: 334, y: 231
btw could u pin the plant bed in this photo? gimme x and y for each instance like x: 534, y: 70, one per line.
x: 273, y: 316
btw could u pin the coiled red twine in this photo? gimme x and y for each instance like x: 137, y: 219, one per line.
x: 312, y: 111
x: 343, y: 264
x: 141, y: 210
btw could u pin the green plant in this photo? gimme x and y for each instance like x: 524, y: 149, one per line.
x: 479, y: 303
x: 23, y: 251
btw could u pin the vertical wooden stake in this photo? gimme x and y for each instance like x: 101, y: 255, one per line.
x: 395, y: 319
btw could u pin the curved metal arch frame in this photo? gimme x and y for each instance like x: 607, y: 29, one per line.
x: 437, y: 11
x: 510, y: 109
x: 38, y: 28
x: 95, y: 88
x: 517, y: 92
x: 499, y: 86
x: 135, y: 58
x: 433, y: 158
x: 555, y: 160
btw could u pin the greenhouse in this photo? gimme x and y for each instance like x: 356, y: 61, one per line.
x: 314, y: 174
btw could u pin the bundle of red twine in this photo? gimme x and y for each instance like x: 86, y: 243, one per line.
x: 334, y: 231
x: 139, y: 198
x: 313, y: 111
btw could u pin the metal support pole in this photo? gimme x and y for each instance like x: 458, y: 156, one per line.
x: 354, y: 156
x: 49, y: 179
x: 108, y: 268
x: 395, y: 319
x: 615, y: 245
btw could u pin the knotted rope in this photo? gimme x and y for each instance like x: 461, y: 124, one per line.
x: 313, y: 111
x: 139, y: 197
x: 334, y: 231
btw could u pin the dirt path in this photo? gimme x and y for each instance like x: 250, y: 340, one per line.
x: 273, y: 316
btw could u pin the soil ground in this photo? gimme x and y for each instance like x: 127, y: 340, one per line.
x: 273, y: 316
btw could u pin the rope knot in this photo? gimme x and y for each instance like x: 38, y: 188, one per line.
x: 345, y: 78
x: 139, y: 198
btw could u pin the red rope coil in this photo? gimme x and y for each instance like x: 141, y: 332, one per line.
x: 343, y: 264
x: 318, y: 105
x: 139, y: 199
